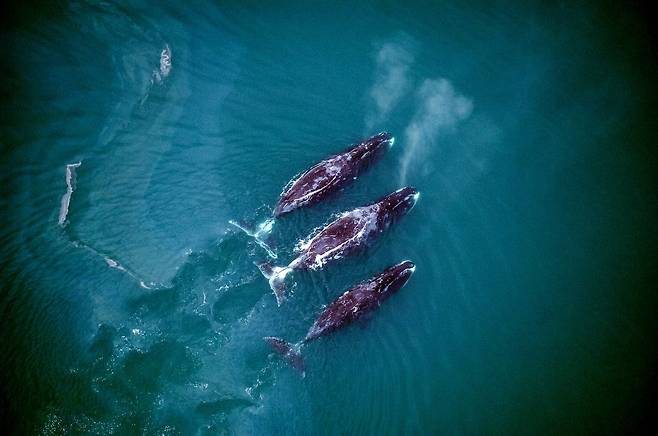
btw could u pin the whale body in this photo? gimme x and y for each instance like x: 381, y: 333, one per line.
x: 344, y: 236
x: 359, y: 300
x: 332, y: 174
x: 318, y: 182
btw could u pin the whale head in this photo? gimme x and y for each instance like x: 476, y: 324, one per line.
x: 398, y: 203
x: 373, y: 148
x: 383, y: 140
x: 396, y: 277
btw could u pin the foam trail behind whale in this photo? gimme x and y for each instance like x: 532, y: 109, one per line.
x: 441, y: 109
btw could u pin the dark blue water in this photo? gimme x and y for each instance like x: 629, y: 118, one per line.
x: 132, y: 306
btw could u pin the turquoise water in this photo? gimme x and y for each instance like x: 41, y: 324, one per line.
x: 529, y: 131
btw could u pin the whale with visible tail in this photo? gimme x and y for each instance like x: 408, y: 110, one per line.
x: 321, y: 180
x: 356, y: 302
x: 349, y: 232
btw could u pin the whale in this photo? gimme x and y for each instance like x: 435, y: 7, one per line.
x: 332, y: 174
x: 346, y: 235
x: 320, y: 181
x: 357, y: 302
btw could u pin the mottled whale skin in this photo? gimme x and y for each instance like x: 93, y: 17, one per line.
x: 347, y: 234
x: 359, y: 300
x: 332, y: 174
x: 319, y: 181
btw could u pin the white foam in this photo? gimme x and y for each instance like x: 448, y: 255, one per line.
x: 165, y: 65
x: 164, y: 69
x: 165, y: 61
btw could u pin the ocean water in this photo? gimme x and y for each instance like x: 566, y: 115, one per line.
x: 130, y: 305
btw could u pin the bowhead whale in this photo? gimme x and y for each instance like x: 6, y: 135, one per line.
x: 319, y: 181
x: 356, y: 302
x: 332, y: 174
x: 346, y: 234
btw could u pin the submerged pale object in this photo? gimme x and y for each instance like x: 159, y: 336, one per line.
x: 70, y: 187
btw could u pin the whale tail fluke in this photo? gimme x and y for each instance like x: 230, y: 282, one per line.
x: 260, y: 233
x: 290, y: 353
x: 276, y: 276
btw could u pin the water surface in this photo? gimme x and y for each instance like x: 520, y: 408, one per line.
x: 529, y: 130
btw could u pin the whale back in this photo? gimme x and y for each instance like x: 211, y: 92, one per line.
x: 332, y: 174
x: 349, y: 232
x: 361, y: 299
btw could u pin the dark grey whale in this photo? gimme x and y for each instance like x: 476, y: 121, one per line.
x: 332, y: 174
x: 345, y: 235
x: 319, y: 181
x: 356, y: 302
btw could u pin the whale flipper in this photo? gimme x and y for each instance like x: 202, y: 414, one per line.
x: 260, y: 233
x: 289, y: 352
